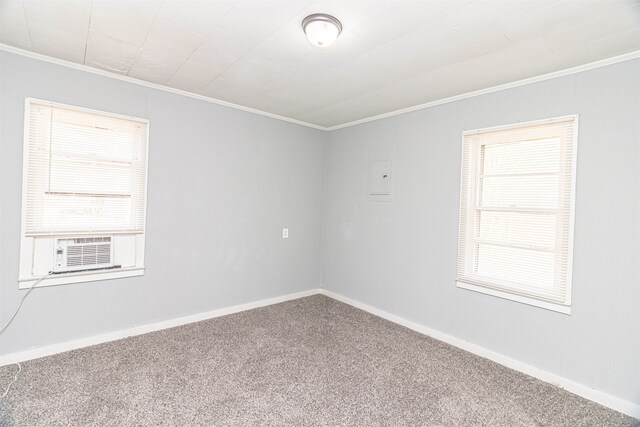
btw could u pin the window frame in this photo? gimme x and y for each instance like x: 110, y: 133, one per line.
x: 501, y: 289
x: 26, y: 276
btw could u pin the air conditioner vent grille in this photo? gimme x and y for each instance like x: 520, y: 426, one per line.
x: 80, y: 253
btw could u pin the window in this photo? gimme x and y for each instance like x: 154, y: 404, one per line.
x: 516, y: 212
x: 85, y: 177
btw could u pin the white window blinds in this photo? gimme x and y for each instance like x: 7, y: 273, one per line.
x: 86, y: 171
x: 516, y: 215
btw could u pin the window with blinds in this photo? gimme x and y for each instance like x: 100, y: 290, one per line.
x: 516, y: 212
x: 86, y: 171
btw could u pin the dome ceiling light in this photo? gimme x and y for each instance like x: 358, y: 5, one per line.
x: 321, y: 29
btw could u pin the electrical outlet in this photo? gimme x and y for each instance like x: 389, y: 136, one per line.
x: 285, y: 233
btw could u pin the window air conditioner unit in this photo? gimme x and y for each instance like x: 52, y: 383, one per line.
x: 82, y: 253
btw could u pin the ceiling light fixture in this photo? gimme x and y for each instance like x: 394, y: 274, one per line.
x: 321, y: 29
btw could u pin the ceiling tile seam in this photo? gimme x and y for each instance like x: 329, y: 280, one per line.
x: 416, y: 26
x: 546, y: 43
x: 543, y: 38
x: 390, y: 85
x: 447, y: 15
x: 202, y: 44
x: 610, y: 37
x: 185, y: 61
x: 214, y: 78
x: 255, y: 46
x: 24, y: 12
x: 409, y: 18
x: 146, y: 37
x: 511, y: 42
x: 547, y: 7
x: 584, y: 22
x: 227, y: 67
x: 112, y: 37
x: 534, y: 13
x: 342, y: 62
x: 238, y: 58
x: 86, y: 42
x: 559, y: 73
x: 352, y: 58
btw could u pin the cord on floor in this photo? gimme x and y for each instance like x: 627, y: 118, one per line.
x: 15, y: 378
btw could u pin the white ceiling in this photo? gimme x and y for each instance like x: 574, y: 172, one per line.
x: 392, y: 54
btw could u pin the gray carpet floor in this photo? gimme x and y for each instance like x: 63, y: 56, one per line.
x: 311, y: 361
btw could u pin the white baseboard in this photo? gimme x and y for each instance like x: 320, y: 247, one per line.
x: 49, y: 350
x: 597, y: 396
x: 600, y: 397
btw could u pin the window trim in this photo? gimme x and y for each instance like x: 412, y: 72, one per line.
x: 565, y: 307
x: 81, y: 277
x: 26, y: 278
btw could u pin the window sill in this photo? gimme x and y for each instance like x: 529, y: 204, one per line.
x: 560, y: 308
x: 85, y: 276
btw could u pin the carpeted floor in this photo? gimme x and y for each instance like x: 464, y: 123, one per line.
x: 312, y: 361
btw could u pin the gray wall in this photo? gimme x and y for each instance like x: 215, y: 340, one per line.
x: 400, y: 256
x: 222, y: 185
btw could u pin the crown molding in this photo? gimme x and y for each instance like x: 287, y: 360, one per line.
x: 104, y: 73
x: 560, y: 73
